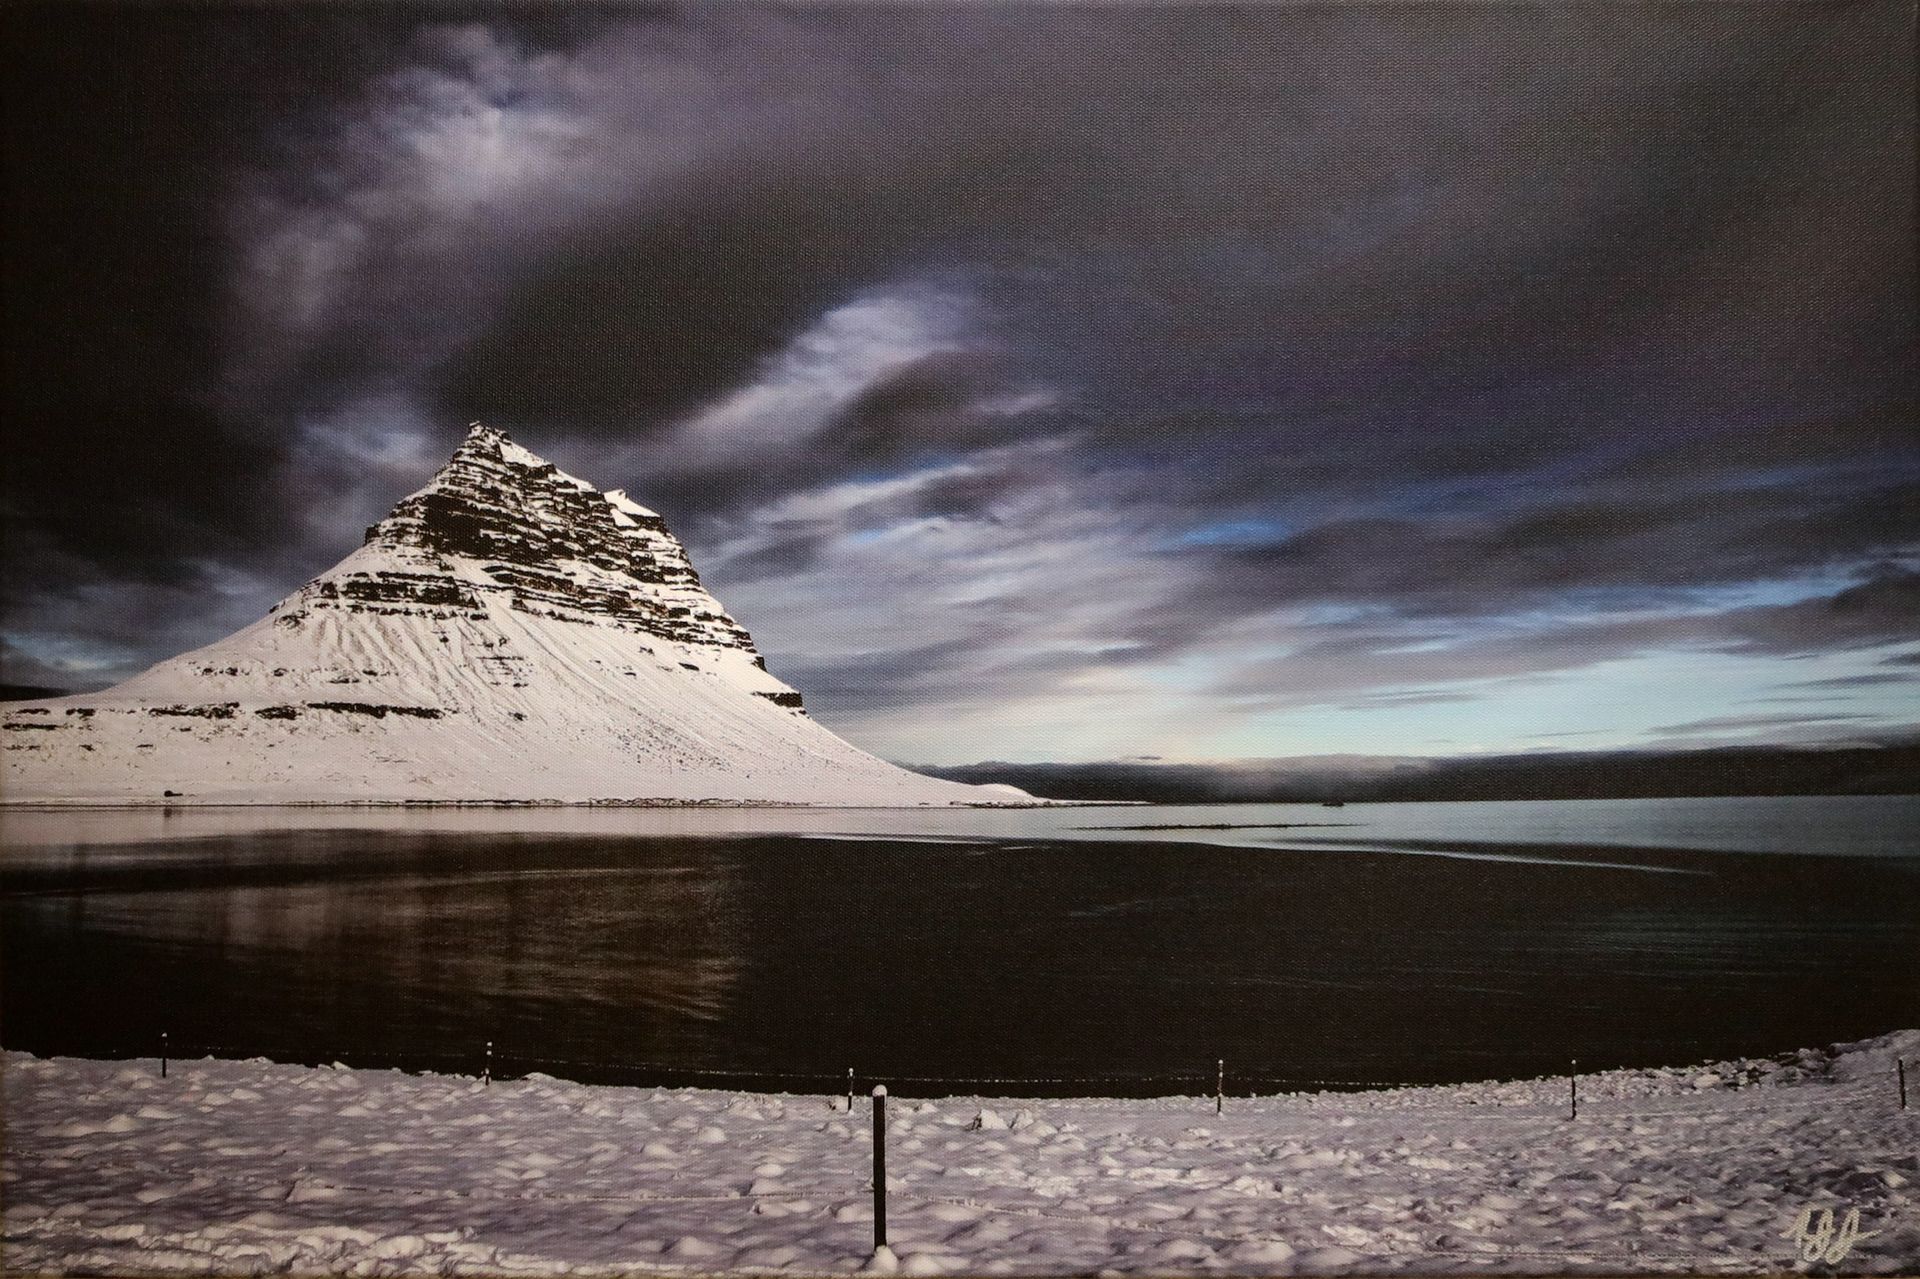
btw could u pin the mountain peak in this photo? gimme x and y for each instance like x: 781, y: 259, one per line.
x: 490, y: 443
x: 499, y: 517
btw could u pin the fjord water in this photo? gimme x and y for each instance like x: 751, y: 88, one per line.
x: 1117, y: 950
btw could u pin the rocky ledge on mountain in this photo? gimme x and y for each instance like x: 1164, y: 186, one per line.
x: 550, y: 543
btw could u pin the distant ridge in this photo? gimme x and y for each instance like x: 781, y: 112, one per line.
x: 1889, y: 769
x: 27, y: 692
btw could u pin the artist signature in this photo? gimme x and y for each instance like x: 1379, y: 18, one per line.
x: 1820, y: 1239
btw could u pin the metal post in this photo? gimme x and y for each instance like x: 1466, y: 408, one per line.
x: 163, y: 1055
x: 879, y: 1167
x: 486, y: 1071
x: 1900, y: 1063
x: 1573, y: 1089
x: 1220, y: 1086
x: 849, y: 1090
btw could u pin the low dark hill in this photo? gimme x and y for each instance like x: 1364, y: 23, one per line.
x: 1738, y: 770
x: 28, y: 692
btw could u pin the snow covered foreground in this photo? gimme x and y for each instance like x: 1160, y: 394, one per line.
x: 244, y: 1167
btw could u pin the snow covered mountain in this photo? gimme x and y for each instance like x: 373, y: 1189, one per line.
x: 508, y: 633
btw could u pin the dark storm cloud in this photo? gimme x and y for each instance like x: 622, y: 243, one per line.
x: 887, y: 680
x: 931, y: 402
x: 1466, y: 564
x: 127, y: 129
x: 28, y: 676
x: 1348, y: 351
x: 1882, y: 610
x: 1167, y: 203
x: 777, y: 559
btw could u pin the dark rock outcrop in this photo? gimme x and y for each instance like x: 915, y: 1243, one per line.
x: 553, y: 545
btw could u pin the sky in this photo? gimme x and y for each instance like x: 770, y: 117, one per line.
x: 1037, y: 383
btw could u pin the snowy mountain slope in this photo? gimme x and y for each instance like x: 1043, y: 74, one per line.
x: 508, y: 633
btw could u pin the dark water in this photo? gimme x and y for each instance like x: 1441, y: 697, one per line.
x: 967, y: 948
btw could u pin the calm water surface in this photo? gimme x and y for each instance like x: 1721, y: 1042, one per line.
x: 1372, y: 943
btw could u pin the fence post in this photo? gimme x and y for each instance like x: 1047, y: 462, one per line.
x: 849, y: 1090
x: 163, y: 1056
x: 1220, y: 1086
x: 879, y: 1167
x: 1900, y: 1064
x: 486, y: 1070
x: 1573, y: 1089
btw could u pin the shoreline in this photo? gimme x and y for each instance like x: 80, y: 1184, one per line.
x: 1787, y: 1068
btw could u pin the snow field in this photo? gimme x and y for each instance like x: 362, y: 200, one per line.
x: 253, y: 1167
